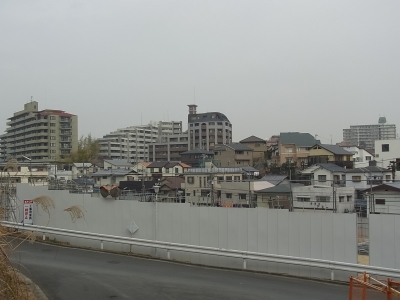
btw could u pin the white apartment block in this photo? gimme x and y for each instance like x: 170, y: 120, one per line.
x: 131, y: 143
x: 365, y: 135
x: 361, y: 156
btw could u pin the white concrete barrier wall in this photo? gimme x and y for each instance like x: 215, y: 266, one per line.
x: 301, y: 234
x: 384, y: 239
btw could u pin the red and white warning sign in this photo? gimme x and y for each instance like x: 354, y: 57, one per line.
x: 28, y: 211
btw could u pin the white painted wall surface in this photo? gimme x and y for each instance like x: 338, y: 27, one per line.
x: 383, y: 158
x: 304, y: 234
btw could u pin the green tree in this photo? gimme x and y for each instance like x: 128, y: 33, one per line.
x: 88, y: 150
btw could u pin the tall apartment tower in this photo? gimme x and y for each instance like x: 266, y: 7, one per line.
x: 365, y: 135
x: 206, y: 130
x: 41, y: 136
x: 132, y: 143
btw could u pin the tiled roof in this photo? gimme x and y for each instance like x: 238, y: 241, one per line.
x: 335, y: 149
x: 368, y: 170
x: 281, y: 188
x: 274, y: 179
x: 109, y: 172
x: 118, y: 162
x: 252, y: 139
x: 298, y: 139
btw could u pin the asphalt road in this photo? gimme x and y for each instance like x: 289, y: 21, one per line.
x: 67, y: 273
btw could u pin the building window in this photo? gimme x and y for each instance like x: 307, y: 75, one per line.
x: 341, y: 198
x: 104, y: 177
x: 53, y: 124
x: 257, y: 144
x: 368, y: 158
x: 229, y: 195
x: 167, y: 170
x: 349, y: 198
x: 52, y: 131
x: 242, y: 196
x: 52, y: 117
x: 303, y: 199
x: 322, y: 178
x: 176, y: 170
x: 190, y: 180
x: 289, y: 150
x: 52, y: 144
x: 228, y: 178
x: 385, y: 147
x: 323, y: 198
x: 380, y: 201
x: 388, y: 177
x: 220, y: 178
x: 356, y: 178
x: 52, y: 137
x: 194, y: 193
x: 236, y: 178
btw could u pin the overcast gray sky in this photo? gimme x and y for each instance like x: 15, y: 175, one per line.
x: 270, y: 66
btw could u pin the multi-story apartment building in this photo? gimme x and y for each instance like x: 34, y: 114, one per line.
x: 41, y: 136
x: 206, y: 130
x: 132, y: 143
x: 234, y: 155
x: 258, y: 145
x: 169, y: 148
x: 365, y: 135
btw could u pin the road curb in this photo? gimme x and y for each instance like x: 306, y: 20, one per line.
x: 36, y: 290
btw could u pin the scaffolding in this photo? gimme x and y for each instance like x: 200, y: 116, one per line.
x: 364, y: 287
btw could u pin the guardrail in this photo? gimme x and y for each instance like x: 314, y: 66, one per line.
x: 244, y: 255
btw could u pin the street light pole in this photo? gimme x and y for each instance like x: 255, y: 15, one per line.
x: 156, y: 190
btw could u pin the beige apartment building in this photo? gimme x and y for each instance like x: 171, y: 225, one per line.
x: 39, y: 135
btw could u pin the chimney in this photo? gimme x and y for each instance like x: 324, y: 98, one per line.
x: 372, y: 163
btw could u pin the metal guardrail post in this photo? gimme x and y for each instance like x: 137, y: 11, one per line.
x: 169, y: 254
x: 244, y: 264
x: 44, y: 236
x: 332, y: 275
x: 101, y: 245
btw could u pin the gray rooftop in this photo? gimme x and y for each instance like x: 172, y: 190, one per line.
x: 332, y: 167
x: 207, y: 117
x: 369, y: 169
x: 298, y: 139
x: 274, y: 179
x: 252, y: 139
x: 110, y: 172
x: 234, y: 146
x: 335, y: 149
x: 279, y: 189
x: 83, y: 165
x: 118, y: 162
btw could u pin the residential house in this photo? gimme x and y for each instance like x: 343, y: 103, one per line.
x: 117, y: 164
x: 220, y: 186
x: 293, y: 147
x: 385, y: 198
x: 32, y: 173
x: 160, y: 169
x: 324, y: 153
x: 361, y: 157
x: 113, y: 176
x: 142, y: 170
x: 197, y: 157
x: 328, y: 199
x: 276, y: 197
x: 233, y: 155
x: 368, y: 177
x: 82, y: 170
x: 171, y: 189
x: 324, y: 175
x: 259, y: 147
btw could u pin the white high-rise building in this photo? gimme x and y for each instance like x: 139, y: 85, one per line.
x: 131, y: 143
x: 364, y: 136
